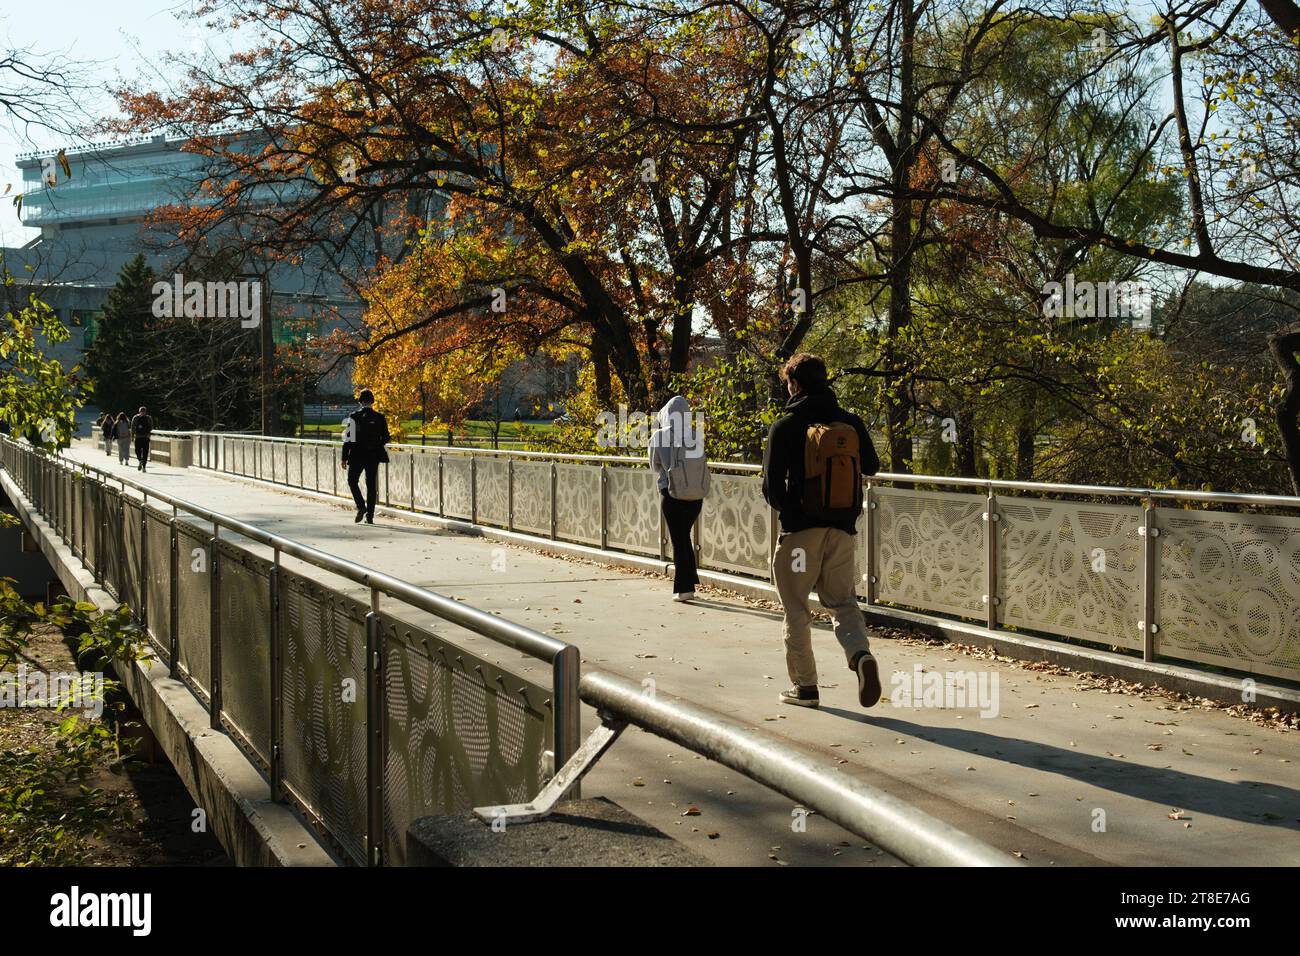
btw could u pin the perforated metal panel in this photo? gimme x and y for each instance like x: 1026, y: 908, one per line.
x: 633, y: 510
x: 457, y: 501
x: 1071, y: 569
x: 246, y: 646
x: 193, y: 595
x: 1229, y: 590
x: 577, y: 503
x: 460, y: 732
x: 931, y: 550
x: 324, y: 706
x: 734, y: 527
x: 129, y: 593
x: 399, y: 479
x: 296, y: 455
x: 491, y: 483
x: 426, y: 482
x: 328, y: 461
x: 111, y: 541
x: 532, y: 496
x: 159, y: 590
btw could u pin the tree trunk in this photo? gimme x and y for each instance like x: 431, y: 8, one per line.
x: 967, y: 466
x: 1025, y: 435
x: 1284, y: 345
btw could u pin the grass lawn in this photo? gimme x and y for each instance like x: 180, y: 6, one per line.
x: 510, y: 436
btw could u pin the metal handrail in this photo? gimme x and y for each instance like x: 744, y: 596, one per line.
x: 910, y: 834
x: 562, y: 656
x: 987, y: 484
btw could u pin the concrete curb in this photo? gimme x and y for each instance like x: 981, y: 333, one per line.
x: 252, y: 828
x: 1180, y: 678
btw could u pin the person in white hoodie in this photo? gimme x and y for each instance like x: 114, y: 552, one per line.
x: 682, y: 473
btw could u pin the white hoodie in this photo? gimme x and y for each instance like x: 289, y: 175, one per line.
x: 675, y: 440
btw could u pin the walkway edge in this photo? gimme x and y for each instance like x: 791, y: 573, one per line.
x: 1178, y: 678
x: 252, y: 828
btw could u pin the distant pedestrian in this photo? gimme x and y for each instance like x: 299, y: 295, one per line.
x: 122, y: 432
x: 813, y: 465
x: 365, y: 433
x: 682, y: 474
x: 141, y: 429
x: 106, y: 424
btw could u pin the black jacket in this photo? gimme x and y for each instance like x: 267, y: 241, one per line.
x: 369, y: 436
x: 142, y: 427
x: 784, y: 454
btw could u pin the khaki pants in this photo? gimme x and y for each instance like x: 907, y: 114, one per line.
x: 821, y: 559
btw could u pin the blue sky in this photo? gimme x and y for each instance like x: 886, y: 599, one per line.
x: 119, y: 40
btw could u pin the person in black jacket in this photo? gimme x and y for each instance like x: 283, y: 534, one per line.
x: 815, y: 552
x: 365, y: 434
x: 142, y: 428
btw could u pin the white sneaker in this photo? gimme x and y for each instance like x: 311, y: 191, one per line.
x: 684, y: 596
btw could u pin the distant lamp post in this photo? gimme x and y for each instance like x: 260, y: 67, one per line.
x: 267, y: 335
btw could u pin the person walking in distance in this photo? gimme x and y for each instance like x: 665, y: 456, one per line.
x: 365, y: 433
x: 106, y: 429
x: 813, y: 465
x: 141, y: 429
x: 122, y: 432
x: 682, y: 474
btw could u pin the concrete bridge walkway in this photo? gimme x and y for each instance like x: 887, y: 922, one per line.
x: 1065, y: 774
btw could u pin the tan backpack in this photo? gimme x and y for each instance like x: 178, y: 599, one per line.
x: 832, y: 472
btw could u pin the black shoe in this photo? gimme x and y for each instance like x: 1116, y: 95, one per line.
x: 801, y: 696
x: 868, y: 680
x: 370, y: 519
x: 357, y: 519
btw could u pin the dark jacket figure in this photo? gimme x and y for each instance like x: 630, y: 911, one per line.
x: 141, y: 429
x: 812, y: 552
x: 105, y: 424
x: 783, y: 458
x: 365, y: 435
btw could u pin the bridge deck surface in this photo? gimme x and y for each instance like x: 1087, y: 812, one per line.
x: 1030, y: 780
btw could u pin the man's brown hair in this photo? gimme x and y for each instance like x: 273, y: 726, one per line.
x: 806, y: 370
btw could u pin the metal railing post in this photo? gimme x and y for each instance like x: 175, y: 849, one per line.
x: 277, y: 683
x: 604, y: 507
x: 554, y: 504
x: 510, y: 494
x: 374, y: 736
x: 174, y: 598
x: 566, y: 705
x: 442, y: 512
x: 473, y: 490
x: 991, y: 524
x: 411, y: 457
x: 869, y: 573
x: 142, y: 574
x: 214, y: 643
x: 773, y: 536
x: 1148, y: 625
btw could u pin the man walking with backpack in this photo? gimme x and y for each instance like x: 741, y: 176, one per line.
x: 813, y: 465
x: 365, y: 433
x: 141, y: 429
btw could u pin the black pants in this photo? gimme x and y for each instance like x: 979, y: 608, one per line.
x: 142, y: 451
x: 680, y: 516
x: 371, y: 468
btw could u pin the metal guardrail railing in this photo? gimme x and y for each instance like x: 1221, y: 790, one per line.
x: 99, y: 533
x: 1189, y: 576
x: 59, y: 489
x: 896, y: 827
